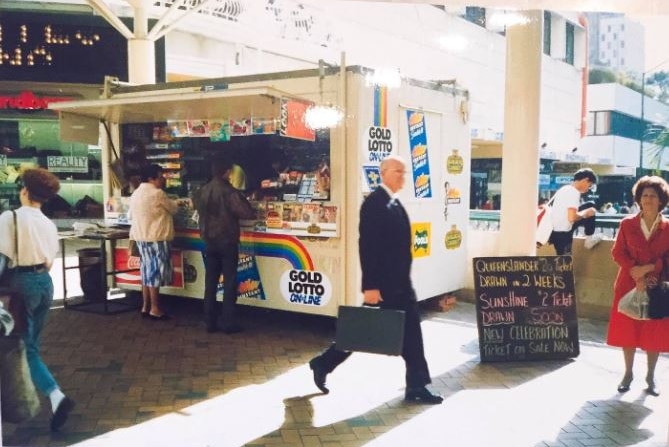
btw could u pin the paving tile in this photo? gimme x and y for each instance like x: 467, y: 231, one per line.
x: 127, y: 374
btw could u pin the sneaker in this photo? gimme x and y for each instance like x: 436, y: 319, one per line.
x: 592, y: 240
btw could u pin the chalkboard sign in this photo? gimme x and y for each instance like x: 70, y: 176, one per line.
x: 526, y: 308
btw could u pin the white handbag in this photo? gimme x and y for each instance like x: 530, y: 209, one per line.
x: 544, y: 222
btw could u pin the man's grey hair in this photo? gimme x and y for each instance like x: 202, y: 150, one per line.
x: 384, y: 163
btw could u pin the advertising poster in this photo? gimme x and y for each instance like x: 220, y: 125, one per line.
x: 123, y: 261
x: 219, y: 130
x: 420, y: 239
x: 373, y: 176
x: 419, y: 156
x: 248, y: 279
x: 292, y: 120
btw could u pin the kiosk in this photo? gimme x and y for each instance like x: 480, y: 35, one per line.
x: 306, y: 176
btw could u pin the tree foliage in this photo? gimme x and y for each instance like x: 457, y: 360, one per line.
x: 660, y: 79
x: 601, y: 76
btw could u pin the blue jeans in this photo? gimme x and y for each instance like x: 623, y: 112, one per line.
x: 36, y: 291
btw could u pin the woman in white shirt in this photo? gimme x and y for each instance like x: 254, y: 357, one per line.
x: 30, y: 281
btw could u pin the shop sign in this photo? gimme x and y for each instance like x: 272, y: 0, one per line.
x: 3, y: 161
x: 563, y: 179
x: 292, y: 120
x: 27, y: 100
x: 372, y: 176
x: 453, y: 238
x: 420, y: 239
x: 455, y: 163
x: 306, y: 288
x: 67, y: 164
x: 379, y: 144
x: 566, y: 167
x: 419, y: 155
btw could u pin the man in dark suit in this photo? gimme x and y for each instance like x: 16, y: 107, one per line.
x: 385, y: 258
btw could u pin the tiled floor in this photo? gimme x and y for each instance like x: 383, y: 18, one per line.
x: 148, y: 383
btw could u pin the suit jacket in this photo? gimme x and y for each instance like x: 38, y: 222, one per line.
x: 385, y: 249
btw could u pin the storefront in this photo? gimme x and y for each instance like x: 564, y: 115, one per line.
x: 306, y: 181
x: 55, y: 57
x: 30, y: 137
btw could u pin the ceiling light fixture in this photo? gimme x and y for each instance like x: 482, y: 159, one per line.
x: 322, y: 116
x: 503, y: 19
x: 454, y: 42
x: 384, y: 77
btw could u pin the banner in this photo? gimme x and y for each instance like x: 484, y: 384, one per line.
x: 123, y: 261
x: 248, y: 279
x: 420, y: 165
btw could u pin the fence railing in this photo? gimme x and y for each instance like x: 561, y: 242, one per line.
x: 489, y: 220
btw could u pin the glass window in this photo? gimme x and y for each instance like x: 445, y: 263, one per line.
x: 475, y: 15
x: 547, y: 33
x: 602, y: 126
x: 569, y: 53
x: 590, y: 123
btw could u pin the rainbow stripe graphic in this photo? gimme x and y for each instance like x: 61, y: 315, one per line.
x: 380, y: 106
x: 258, y: 244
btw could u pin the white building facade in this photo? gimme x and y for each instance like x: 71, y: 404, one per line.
x: 616, y: 44
x: 615, y: 128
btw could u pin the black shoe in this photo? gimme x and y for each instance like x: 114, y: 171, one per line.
x: 145, y: 314
x: 233, y: 329
x: 422, y: 395
x: 652, y: 389
x: 624, y: 385
x: 319, y: 376
x: 62, y: 412
x: 163, y: 317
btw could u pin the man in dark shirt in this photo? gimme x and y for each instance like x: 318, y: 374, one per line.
x: 220, y: 206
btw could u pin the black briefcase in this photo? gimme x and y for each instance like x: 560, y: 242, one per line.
x: 370, y: 329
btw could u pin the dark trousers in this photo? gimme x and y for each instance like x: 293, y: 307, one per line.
x: 562, y: 240
x: 221, y: 259
x: 417, y: 373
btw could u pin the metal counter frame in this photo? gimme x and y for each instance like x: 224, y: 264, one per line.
x: 106, y: 305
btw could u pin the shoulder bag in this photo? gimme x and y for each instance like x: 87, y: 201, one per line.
x: 18, y: 396
x: 544, y: 222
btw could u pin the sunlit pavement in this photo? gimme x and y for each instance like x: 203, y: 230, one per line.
x: 148, y: 383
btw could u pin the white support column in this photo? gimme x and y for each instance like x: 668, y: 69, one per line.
x: 141, y: 61
x: 141, y: 48
x: 520, y: 151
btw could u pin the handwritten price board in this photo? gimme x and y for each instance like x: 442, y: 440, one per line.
x: 526, y: 308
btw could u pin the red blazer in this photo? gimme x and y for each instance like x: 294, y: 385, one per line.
x: 631, y: 249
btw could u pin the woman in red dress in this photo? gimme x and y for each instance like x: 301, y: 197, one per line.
x: 642, y: 252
